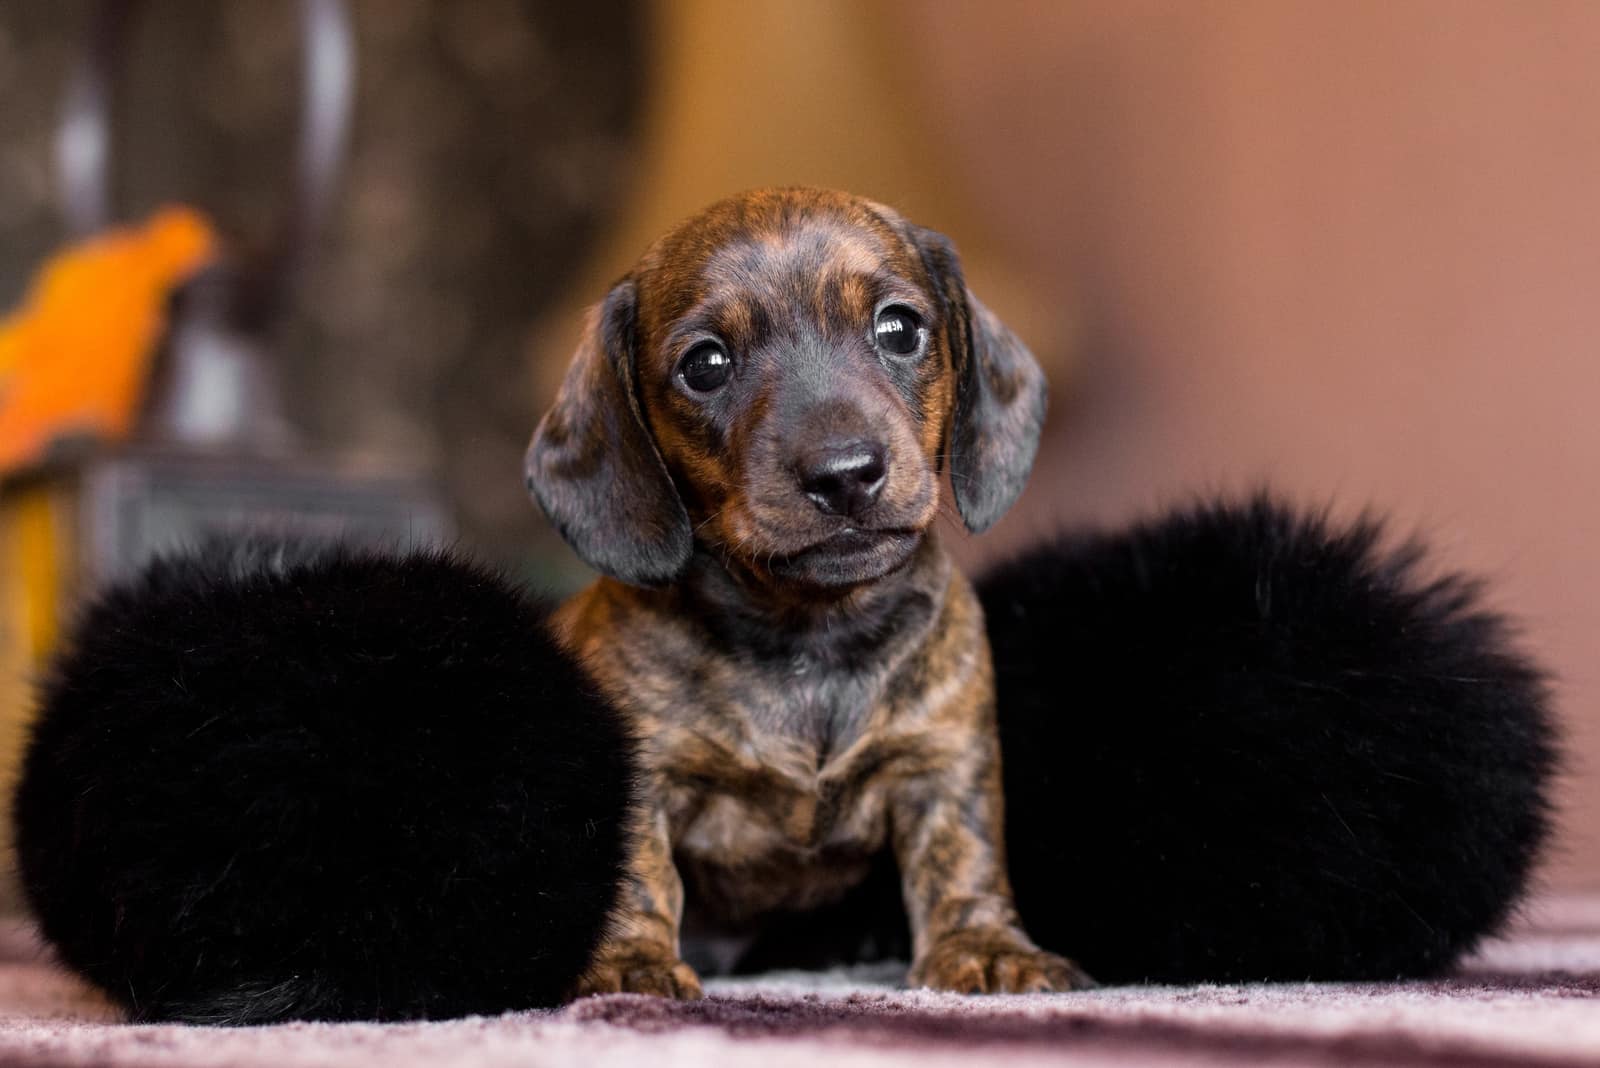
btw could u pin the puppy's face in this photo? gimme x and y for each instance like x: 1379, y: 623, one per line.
x: 791, y: 370
x: 779, y: 380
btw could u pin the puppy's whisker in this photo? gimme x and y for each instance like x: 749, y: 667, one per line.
x: 946, y: 461
x: 708, y: 520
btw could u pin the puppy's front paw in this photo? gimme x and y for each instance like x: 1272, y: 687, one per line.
x: 994, y: 961
x: 639, y: 970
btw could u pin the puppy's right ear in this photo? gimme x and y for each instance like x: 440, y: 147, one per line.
x: 594, y: 467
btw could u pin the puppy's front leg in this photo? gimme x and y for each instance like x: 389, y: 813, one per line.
x: 949, y: 844
x: 641, y: 954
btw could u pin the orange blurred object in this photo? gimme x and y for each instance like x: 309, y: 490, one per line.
x: 75, y: 357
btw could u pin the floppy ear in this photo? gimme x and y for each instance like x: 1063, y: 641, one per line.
x: 1000, y: 395
x: 593, y: 465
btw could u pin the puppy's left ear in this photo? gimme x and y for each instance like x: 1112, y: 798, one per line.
x: 1000, y: 394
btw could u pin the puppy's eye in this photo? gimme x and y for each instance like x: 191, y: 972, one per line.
x: 898, y: 331
x: 706, y: 368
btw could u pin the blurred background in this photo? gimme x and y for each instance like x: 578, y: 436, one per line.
x: 1351, y: 251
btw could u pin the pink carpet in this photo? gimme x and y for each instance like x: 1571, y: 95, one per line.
x: 1531, y: 998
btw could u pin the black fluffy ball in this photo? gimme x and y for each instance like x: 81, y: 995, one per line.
x: 1242, y: 743
x: 272, y: 781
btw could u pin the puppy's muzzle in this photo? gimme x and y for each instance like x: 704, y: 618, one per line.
x: 843, y: 478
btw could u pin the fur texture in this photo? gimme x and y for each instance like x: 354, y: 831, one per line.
x: 810, y: 674
x: 1242, y: 743
x: 272, y: 782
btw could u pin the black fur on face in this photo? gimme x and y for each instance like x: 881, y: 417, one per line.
x: 779, y: 382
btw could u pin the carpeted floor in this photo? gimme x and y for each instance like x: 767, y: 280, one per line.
x: 1531, y: 998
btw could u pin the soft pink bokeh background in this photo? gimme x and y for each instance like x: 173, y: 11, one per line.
x: 1352, y: 250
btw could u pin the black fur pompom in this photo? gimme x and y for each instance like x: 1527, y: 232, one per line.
x: 275, y: 782
x: 1244, y: 744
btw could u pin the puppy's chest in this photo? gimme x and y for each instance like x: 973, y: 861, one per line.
x: 788, y: 811
x: 794, y: 764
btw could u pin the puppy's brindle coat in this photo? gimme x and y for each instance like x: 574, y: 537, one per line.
x: 748, y: 445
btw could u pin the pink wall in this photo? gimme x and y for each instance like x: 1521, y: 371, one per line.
x: 1351, y: 249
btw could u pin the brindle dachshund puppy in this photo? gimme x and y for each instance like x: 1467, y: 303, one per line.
x: 749, y: 444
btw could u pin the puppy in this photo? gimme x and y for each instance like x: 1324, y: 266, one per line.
x: 749, y: 445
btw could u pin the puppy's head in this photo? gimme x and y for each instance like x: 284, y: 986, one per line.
x: 781, y: 379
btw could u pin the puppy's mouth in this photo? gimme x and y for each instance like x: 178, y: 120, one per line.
x: 849, y: 556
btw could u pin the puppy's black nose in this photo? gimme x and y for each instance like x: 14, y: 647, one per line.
x: 842, y: 479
